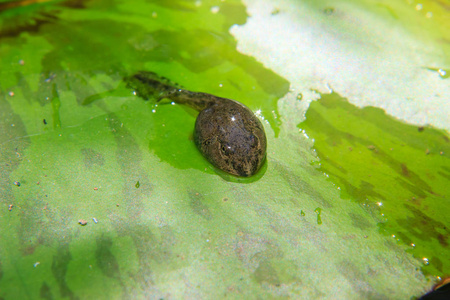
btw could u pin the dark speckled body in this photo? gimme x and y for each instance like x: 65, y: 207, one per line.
x: 226, y: 132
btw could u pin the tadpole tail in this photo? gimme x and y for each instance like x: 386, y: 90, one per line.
x: 149, y: 85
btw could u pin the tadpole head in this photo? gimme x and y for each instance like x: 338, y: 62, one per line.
x: 235, y: 148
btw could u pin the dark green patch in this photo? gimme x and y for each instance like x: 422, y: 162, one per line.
x: 359, y: 221
x: 350, y: 271
x: 59, y: 269
x: 13, y: 144
x: 266, y: 273
x: 105, y: 259
x: 300, y: 186
x: 92, y: 158
x: 46, y: 292
x: 399, y: 172
x: 198, y: 206
x: 129, y: 158
x: 56, y: 104
x: 17, y: 16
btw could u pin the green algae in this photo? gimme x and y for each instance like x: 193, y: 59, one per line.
x: 399, y: 172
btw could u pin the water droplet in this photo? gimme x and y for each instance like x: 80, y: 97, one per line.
x: 429, y: 14
x: 11, y: 94
x: 442, y: 73
x: 220, y: 85
x: 198, y: 3
x: 419, y: 6
x: 318, y: 212
x: 215, y: 9
x: 425, y: 261
x: 299, y: 96
x: 154, y: 14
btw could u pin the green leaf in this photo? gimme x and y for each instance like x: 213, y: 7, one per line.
x: 160, y: 221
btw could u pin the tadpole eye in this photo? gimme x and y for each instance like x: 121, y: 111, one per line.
x: 224, y: 149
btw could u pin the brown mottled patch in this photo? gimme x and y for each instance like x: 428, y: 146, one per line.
x: 442, y: 239
x: 405, y: 170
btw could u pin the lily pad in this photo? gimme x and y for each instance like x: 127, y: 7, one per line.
x: 115, y: 201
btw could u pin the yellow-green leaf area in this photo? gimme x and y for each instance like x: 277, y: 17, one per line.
x: 398, y: 172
